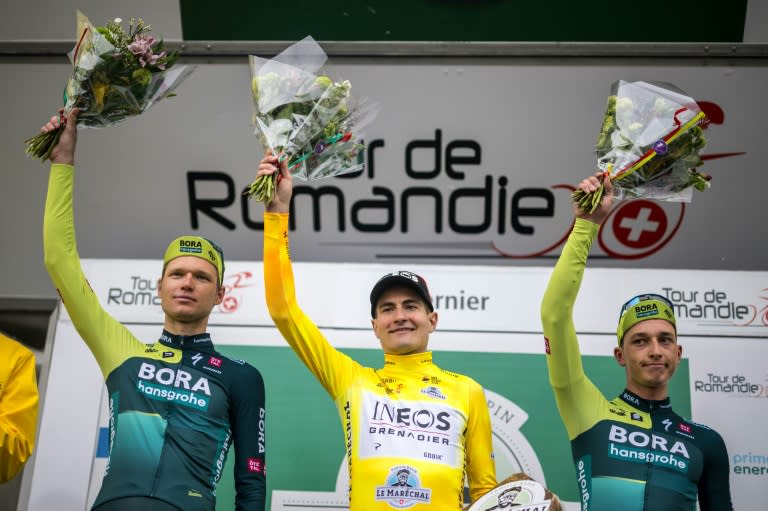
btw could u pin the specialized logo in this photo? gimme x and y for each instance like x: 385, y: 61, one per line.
x: 618, y: 411
x: 667, y: 423
x: 190, y: 246
x: 640, y: 447
x: 433, y: 391
x: 403, y: 488
x: 169, y: 386
x: 197, y: 357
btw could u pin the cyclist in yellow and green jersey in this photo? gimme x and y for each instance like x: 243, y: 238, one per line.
x: 177, y: 405
x: 632, y: 453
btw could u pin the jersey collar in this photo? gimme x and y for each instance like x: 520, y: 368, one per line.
x: 408, y: 362
x: 198, y: 342
x: 646, y: 405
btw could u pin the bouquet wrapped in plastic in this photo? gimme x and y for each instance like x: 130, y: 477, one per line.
x: 649, y: 144
x: 305, y: 116
x: 116, y: 74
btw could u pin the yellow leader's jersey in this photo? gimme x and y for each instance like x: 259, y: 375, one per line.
x: 412, y: 431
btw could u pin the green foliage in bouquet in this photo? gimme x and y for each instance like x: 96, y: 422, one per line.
x: 116, y: 74
x: 674, y: 160
x: 301, y: 127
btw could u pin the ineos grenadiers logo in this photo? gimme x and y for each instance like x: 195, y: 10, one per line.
x: 512, y: 453
x: 170, y: 381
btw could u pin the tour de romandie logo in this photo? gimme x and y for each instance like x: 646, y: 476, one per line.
x: 403, y: 488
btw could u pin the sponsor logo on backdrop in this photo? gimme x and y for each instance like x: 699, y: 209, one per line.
x: 445, y: 190
x: 732, y: 385
x: 233, y: 291
x: 139, y: 291
x: 715, y: 307
x: 402, y: 489
x: 750, y: 464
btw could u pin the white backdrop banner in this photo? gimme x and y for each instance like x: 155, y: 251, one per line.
x: 488, y: 328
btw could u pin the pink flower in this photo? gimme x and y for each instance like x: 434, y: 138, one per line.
x: 142, y: 48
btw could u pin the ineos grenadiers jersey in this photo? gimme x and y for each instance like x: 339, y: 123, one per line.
x: 630, y: 453
x: 412, y: 431
x: 176, y: 406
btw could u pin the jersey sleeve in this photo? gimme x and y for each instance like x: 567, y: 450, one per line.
x: 574, y: 392
x: 109, y: 341
x: 18, y: 407
x: 714, y: 485
x: 248, y: 430
x: 481, y: 467
x: 331, y: 367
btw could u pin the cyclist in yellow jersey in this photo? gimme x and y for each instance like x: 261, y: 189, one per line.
x: 19, y: 403
x: 413, y: 432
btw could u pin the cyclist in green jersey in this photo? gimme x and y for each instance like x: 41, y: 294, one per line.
x: 176, y: 405
x: 632, y: 453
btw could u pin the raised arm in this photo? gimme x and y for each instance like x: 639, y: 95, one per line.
x: 566, y: 374
x: 62, y: 261
x: 329, y: 366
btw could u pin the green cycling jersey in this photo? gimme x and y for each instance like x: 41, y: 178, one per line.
x: 175, y: 406
x: 630, y: 453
